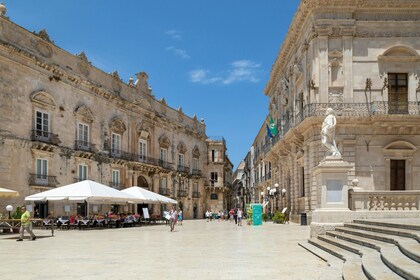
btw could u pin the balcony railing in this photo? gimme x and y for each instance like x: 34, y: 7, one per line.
x: 139, y: 158
x: 376, y: 108
x: 182, y: 193
x: 183, y: 169
x: 214, y: 183
x: 84, y: 146
x: 43, y: 180
x: 45, y: 137
x: 164, y: 192
x: 196, y: 195
x: 196, y: 172
x: 361, y: 200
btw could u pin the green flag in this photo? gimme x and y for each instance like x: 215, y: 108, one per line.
x: 273, y: 127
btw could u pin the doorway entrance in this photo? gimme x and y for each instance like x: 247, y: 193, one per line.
x: 41, y: 210
x: 397, y: 175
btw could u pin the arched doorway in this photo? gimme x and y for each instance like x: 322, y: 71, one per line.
x: 142, y: 182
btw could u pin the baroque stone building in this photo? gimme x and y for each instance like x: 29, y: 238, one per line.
x: 63, y: 120
x: 361, y: 58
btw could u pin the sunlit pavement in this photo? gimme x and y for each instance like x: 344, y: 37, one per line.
x: 196, y: 250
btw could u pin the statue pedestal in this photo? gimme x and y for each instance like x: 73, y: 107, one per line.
x: 331, y: 177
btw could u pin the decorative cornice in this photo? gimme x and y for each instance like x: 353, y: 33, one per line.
x: 308, y: 7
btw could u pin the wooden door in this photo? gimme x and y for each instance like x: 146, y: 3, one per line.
x: 398, y: 93
x: 397, y: 175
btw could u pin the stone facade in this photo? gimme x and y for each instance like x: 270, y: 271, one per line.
x: 219, y: 171
x: 63, y: 120
x: 361, y: 58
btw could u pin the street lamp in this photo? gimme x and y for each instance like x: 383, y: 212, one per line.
x: 10, y: 209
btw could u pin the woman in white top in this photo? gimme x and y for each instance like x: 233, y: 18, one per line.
x: 240, y: 214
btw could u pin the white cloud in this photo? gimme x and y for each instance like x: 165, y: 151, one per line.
x: 242, y: 70
x: 200, y: 76
x: 174, y: 34
x: 178, y: 52
x: 239, y: 71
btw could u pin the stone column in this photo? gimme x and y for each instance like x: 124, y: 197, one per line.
x: 348, y: 33
x: 323, y: 33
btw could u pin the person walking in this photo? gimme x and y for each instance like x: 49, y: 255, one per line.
x: 25, y: 224
x: 180, y: 217
x: 173, y: 219
x: 235, y: 216
x: 240, y: 215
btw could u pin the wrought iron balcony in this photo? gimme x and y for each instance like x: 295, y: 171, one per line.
x: 43, y: 180
x: 183, y: 169
x: 182, y: 193
x: 196, y: 195
x: 164, y: 164
x: 45, y: 137
x: 197, y: 172
x: 84, y: 146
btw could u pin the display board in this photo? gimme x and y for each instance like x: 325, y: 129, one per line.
x: 256, y: 214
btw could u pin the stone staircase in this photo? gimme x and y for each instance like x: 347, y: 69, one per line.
x: 370, y: 250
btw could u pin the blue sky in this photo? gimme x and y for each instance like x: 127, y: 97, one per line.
x: 212, y: 58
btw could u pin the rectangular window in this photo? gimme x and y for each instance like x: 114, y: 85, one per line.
x: 116, y: 144
x: 195, y: 188
x: 116, y: 179
x: 163, y: 154
x: 83, y: 172
x: 302, y: 181
x: 163, y: 186
x: 142, y: 150
x: 83, y: 135
x: 213, y: 155
x: 398, y: 93
x: 180, y: 160
x: 195, y: 164
x: 213, y: 179
x: 42, y: 121
x: 41, y: 169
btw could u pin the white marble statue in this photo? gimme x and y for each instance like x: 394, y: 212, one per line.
x: 328, y: 134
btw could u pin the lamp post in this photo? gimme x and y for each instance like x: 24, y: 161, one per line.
x: 10, y: 209
x: 276, y: 185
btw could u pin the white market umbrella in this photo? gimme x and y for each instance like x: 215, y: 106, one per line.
x: 8, y: 193
x: 149, y: 196
x: 86, y: 190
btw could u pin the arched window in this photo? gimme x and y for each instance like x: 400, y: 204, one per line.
x: 213, y: 196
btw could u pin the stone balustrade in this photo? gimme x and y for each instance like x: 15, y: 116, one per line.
x: 362, y: 200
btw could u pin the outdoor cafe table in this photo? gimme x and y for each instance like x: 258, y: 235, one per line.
x: 15, y: 223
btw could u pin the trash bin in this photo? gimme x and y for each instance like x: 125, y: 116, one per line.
x: 303, y: 219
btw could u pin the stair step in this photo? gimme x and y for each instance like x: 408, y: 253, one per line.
x: 390, y: 254
x: 401, y: 264
x: 333, y: 250
x: 394, y: 231
x: 352, y: 268
x: 335, y: 264
x: 374, y: 267
x: 372, y: 264
x: 389, y: 224
x: 349, y: 246
x: 323, y: 255
x: 370, y: 243
x: 408, y: 246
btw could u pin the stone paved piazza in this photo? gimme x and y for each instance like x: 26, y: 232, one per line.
x: 196, y: 250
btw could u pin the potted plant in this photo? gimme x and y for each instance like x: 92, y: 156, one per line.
x: 265, y: 217
x: 249, y: 216
x: 278, y: 217
x: 16, y: 215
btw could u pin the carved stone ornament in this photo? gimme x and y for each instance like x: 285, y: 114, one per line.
x: 43, y: 99
x: 116, y: 86
x: 44, y: 49
x: 284, y: 100
x: 44, y: 35
x: 116, y: 125
x: 196, y: 152
x: 335, y: 54
x: 181, y: 148
x: 84, y: 113
x: 335, y: 97
x: 164, y: 142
